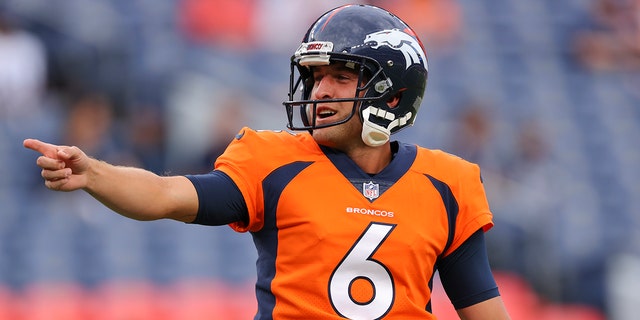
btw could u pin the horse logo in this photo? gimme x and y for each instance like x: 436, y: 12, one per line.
x: 398, y: 40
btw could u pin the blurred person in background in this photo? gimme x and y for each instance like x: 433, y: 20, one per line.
x: 474, y: 135
x: 146, y: 129
x: 403, y: 210
x: 225, y: 123
x: 91, y: 125
x: 22, y: 70
x: 23, y: 82
x: 524, y: 197
x: 614, y: 42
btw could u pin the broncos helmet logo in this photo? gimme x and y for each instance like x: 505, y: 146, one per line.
x: 398, y: 40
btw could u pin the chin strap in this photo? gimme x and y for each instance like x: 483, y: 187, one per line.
x: 374, y: 134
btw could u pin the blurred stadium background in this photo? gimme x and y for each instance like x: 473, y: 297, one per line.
x: 544, y: 95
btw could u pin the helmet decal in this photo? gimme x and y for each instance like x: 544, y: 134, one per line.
x: 398, y: 40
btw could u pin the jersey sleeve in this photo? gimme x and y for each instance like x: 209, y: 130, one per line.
x: 219, y: 200
x: 466, y: 274
x: 251, y: 157
x: 465, y: 183
x: 240, y: 162
x: 474, y: 212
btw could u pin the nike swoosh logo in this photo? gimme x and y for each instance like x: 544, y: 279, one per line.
x: 240, y: 135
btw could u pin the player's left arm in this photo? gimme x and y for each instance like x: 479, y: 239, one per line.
x: 468, y: 281
x: 492, y: 309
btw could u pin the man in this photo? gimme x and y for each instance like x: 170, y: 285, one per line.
x: 346, y: 223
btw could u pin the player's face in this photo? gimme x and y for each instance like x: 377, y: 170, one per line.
x: 332, y: 82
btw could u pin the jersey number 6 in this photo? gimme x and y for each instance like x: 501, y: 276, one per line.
x: 358, y: 272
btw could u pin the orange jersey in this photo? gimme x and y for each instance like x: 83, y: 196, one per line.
x: 335, y: 242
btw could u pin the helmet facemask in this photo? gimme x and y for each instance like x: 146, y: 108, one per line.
x: 374, y: 89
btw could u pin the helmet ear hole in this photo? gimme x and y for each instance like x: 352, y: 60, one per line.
x: 394, y: 101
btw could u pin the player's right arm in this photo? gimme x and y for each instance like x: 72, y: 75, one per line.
x: 132, y: 192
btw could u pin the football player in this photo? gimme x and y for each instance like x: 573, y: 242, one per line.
x: 347, y: 223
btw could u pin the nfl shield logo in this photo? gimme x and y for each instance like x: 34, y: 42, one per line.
x: 370, y: 190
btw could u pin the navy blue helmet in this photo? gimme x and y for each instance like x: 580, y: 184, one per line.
x: 391, y: 61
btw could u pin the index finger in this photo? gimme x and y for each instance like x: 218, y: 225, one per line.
x: 47, y: 149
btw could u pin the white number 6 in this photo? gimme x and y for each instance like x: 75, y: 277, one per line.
x: 358, y: 265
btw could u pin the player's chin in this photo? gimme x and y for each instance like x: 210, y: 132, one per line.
x: 320, y: 136
x: 339, y: 138
x: 328, y: 137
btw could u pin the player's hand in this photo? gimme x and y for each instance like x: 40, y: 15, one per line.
x: 63, y: 168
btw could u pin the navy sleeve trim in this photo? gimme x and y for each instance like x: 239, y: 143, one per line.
x: 466, y: 274
x: 220, y: 200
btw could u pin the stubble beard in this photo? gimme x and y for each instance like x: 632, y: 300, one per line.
x: 343, y: 137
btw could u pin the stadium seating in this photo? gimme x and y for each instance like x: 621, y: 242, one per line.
x: 65, y: 255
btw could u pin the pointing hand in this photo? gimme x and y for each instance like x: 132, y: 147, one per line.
x: 63, y: 168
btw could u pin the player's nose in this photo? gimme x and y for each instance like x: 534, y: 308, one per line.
x: 323, y: 88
